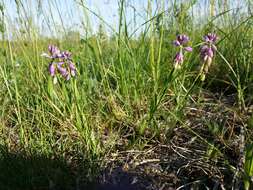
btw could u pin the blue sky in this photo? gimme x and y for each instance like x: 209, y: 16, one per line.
x: 67, y: 14
x: 70, y: 15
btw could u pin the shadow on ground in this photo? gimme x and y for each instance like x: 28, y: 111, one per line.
x: 37, y: 172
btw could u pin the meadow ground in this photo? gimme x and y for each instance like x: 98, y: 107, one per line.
x: 160, y: 103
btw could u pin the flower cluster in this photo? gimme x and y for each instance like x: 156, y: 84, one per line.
x: 207, y: 52
x: 61, y: 63
x: 180, y: 42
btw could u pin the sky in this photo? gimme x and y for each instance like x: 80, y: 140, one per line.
x: 55, y: 16
x: 68, y: 14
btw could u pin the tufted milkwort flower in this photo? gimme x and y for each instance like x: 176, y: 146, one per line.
x: 207, y: 52
x: 180, y: 42
x: 61, y: 63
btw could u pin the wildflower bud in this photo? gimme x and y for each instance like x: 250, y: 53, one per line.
x: 178, y: 60
x: 207, y: 64
x: 55, y: 80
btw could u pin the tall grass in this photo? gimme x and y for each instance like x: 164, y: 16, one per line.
x: 125, y: 83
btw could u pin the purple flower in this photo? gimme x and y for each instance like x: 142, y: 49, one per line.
x: 61, y: 63
x: 182, y: 39
x: 180, y: 42
x: 66, y: 55
x: 178, y: 60
x: 207, y: 52
x: 210, y: 38
x: 54, y: 51
x: 67, y: 69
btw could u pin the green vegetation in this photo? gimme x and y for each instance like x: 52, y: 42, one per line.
x: 128, y: 107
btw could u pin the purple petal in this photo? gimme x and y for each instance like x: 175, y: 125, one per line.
x: 206, y: 52
x: 204, y: 49
x: 60, y: 64
x: 179, y: 58
x: 189, y: 49
x: 63, y: 71
x: 71, y: 65
x: 52, y: 69
x: 176, y: 43
x: 54, y: 51
x: 206, y: 38
x: 210, y: 52
x: 72, y: 68
x: 182, y: 38
x: 210, y: 38
x: 66, y: 55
